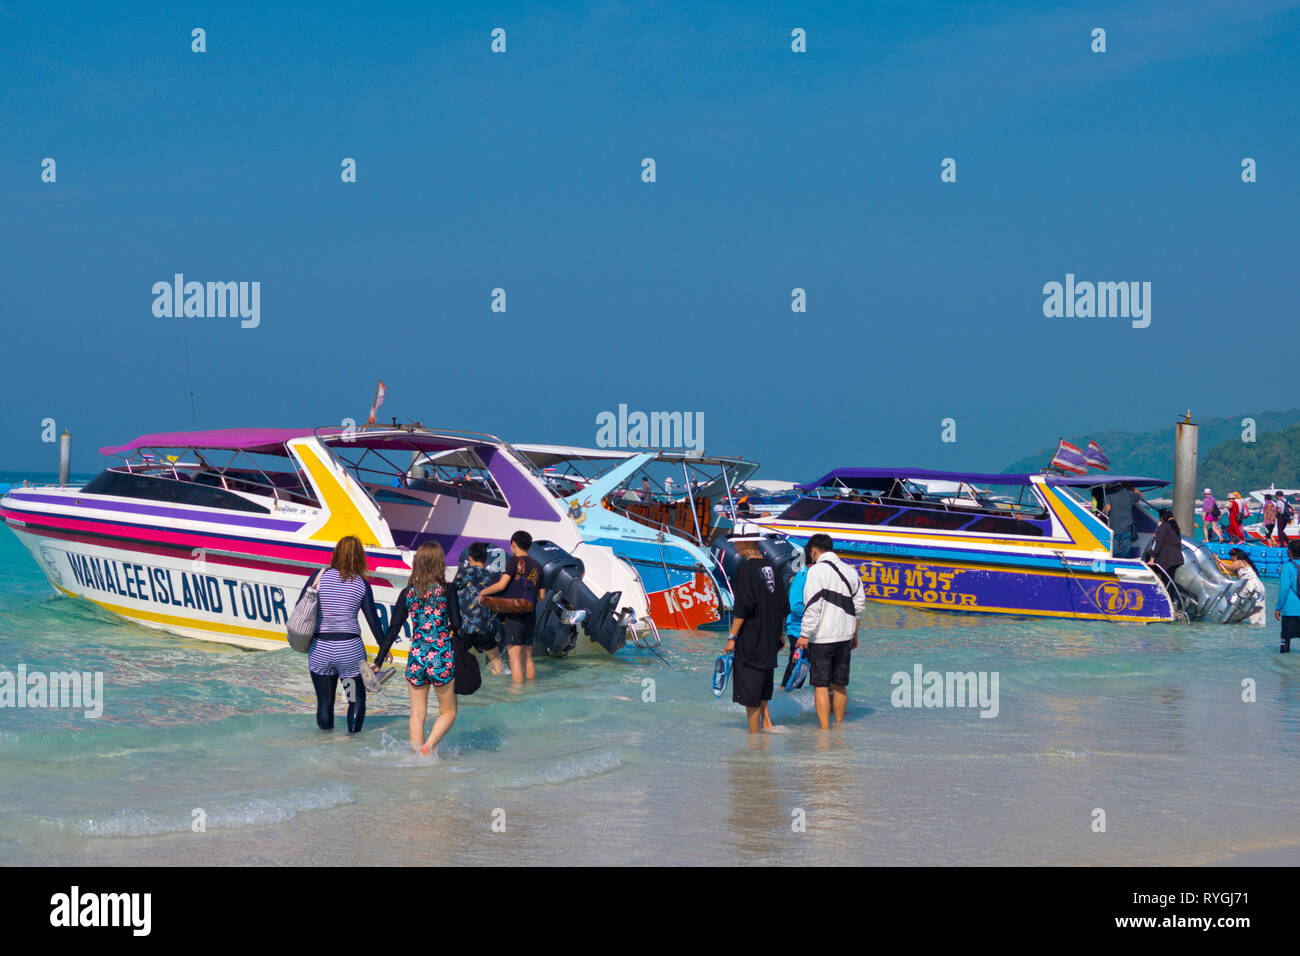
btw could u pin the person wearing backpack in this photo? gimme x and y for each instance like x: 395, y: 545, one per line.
x: 833, y: 601
x: 1288, y: 599
x: 336, y: 652
x: 515, y: 596
x: 1210, y: 515
x: 1284, y: 517
x: 429, y: 601
x: 482, y: 631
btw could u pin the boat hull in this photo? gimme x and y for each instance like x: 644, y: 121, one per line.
x: 229, y: 599
x: 1090, y: 588
x: 682, y: 594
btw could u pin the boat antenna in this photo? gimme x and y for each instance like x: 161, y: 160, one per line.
x: 189, y: 377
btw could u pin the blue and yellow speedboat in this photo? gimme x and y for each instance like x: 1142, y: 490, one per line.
x: 1006, y: 544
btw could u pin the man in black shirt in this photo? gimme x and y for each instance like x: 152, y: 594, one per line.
x: 761, y: 606
x: 522, y: 578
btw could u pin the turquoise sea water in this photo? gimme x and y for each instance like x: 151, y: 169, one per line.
x: 1146, y: 723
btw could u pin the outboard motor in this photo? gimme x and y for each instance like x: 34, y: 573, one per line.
x: 1214, y: 597
x: 785, y: 557
x: 567, y: 599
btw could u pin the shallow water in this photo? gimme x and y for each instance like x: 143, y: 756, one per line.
x: 1147, y: 723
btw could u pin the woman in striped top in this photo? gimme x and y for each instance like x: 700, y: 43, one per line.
x: 337, y: 652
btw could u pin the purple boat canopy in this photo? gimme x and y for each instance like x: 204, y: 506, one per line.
x: 866, y: 478
x: 270, y: 441
x: 258, y: 440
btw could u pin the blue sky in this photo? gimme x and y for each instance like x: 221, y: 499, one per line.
x: 775, y: 170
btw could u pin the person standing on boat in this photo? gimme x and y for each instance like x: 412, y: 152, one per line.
x: 1239, y: 562
x: 1284, y: 516
x: 430, y: 603
x: 758, y: 614
x: 833, y: 601
x: 337, y: 653
x: 1288, y: 599
x: 1210, y: 516
x: 1167, y: 545
x: 1269, y: 518
x: 1119, y: 512
x: 1234, y: 518
x: 521, y: 582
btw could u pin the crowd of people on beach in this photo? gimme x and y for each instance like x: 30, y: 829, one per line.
x: 492, y: 613
x: 815, y: 619
x: 479, y: 610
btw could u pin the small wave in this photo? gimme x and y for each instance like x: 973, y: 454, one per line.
x: 247, y: 810
x: 572, y: 768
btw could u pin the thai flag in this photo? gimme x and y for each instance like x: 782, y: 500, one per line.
x: 1096, y: 458
x: 380, y: 392
x: 146, y: 456
x: 1068, y: 458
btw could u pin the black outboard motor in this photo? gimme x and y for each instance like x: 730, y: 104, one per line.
x: 785, y: 557
x: 566, y: 594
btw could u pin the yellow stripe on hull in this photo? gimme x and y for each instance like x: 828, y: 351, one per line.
x: 1113, y: 618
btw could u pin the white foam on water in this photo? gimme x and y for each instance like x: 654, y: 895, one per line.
x: 246, y: 810
x: 571, y: 768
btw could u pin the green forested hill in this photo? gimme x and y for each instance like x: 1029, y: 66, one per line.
x: 1226, y: 462
x: 1238, y: 466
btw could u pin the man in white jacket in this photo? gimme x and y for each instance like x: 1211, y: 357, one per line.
x: 833, y: 602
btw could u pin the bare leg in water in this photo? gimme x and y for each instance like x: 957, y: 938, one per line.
x: 446, y: 716
x: 419, y: 708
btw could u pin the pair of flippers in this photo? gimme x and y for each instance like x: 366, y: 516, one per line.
x: 796, y: 674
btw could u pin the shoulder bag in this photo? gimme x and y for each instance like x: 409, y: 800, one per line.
x: 305, y: 619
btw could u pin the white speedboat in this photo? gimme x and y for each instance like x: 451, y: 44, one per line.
x: 212, y: 534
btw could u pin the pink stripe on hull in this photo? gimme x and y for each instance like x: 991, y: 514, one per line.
x: 253, y: 547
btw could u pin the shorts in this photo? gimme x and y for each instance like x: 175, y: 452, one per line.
x: 338, y: 655
x: 480, y: 642
x: 517, y: 630
x: 828, y: 664
x: 1122, y: 546
x: 751, y: 686
x: 1290, y: 629
x: 431, y: 661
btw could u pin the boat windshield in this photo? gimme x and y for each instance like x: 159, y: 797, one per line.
x: 460, y: 473
x: 182, y: 476
x: 1020, y: 500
